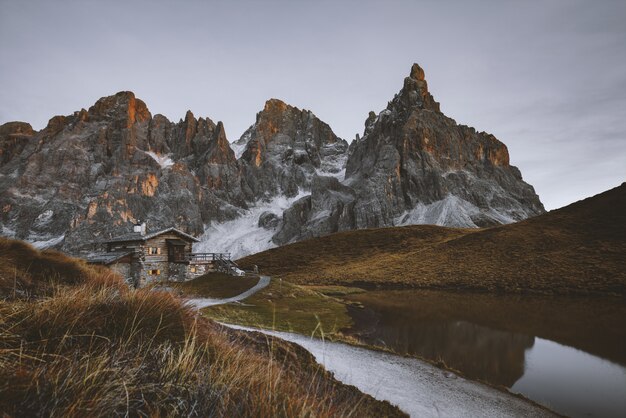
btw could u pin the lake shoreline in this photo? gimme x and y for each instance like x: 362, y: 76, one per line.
x: 517, y: 321
x: 516, y: 401
x: 472, y: 289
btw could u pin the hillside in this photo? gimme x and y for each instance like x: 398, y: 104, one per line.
x: 78, y: 342
x: 578, y: 249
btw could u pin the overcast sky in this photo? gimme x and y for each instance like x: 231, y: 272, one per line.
x: 548, y: 78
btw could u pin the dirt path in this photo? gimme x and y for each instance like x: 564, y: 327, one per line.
x: 200, y: 303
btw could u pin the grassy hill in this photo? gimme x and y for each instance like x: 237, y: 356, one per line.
x: 578, y: 249
x: 76, y: 341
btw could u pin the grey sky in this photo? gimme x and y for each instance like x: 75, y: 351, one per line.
x: 548, y: 78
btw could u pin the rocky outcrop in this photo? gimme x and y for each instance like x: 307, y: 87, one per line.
x: 13, y: 138
x: 286, y: 148
x: 415, y: 165
x: 90, y: 175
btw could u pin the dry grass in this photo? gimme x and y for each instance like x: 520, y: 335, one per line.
x: 87, y: 346
x: 579, y: 249
x: 216, y: 285
x: 28, y: 273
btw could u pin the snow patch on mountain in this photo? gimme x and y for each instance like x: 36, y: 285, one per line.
x: 19, y: 195
x: 7, y: 232
x: 333, y: 162
x: 44, y: 217
x: 42, y: 244
x: 239, y: 146
x: 451, y: 211
x: 164, y: 161
x: 238, y: 149
x: 244, y: 236
x: 339, y: 175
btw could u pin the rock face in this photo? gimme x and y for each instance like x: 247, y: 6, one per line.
x: 415, y: 165
x: 87, y: 176
x: 90, y: 175
x: 286, y: 148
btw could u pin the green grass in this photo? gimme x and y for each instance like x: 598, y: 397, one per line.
x: 216, y: 285
x: 286, y: 307
x: 335, y: 291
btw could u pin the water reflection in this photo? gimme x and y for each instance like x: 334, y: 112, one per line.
x: 573, y: 382
x: 505, y: 340
x: 479, y: 352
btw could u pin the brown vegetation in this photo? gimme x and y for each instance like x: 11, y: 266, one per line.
x: 26, y: 273
x: 78, y: 342
x: 216, y: 285
x: 579, y: 249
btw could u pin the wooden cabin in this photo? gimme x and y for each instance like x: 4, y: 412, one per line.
x: 160, y: 256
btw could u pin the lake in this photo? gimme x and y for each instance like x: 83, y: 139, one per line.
x: 566, y: 353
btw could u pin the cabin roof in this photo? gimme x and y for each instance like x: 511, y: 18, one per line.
x: 136, y: 236
x: 107, y: 258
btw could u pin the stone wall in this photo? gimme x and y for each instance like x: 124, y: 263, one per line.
x: 181, y: 272
x: 178, y: 272
x: 137, y: 272
x: 148, y: 272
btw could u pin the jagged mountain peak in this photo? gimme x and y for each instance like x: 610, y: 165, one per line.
x: 285, y: 148
x: 113, y: 164
x: 118, y: 163
x: 278, y: 117
x: 414, y: 93
x: 15, y: 129
x: 13, y: 138
x: 417, y: 72
x: 277, y: 113
x: 276, y: 105
x: 221, y: 131
x: 123, y: 104
x: 219, y: 150
x: 415, y: 165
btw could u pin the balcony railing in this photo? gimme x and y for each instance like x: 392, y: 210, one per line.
x: 209, y: 256
x: 199, y: 257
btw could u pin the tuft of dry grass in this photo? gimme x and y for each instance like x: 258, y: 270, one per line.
x: 83, y: 344
x: 579, y: 249
x: 28, y: 273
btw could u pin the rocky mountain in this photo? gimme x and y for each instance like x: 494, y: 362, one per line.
x: 88, y: 176
x: 286, y: 148
x: 414, y: 165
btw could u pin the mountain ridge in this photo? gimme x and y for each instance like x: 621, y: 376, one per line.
x: 89, y: 175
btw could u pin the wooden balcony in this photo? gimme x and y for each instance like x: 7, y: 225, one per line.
x: 199, y: 258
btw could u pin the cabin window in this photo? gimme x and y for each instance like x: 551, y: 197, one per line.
x: 192, y: 269
x: 154, y: 272
x: 154, y: 251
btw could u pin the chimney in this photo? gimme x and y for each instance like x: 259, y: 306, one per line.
x: 140, y: 227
